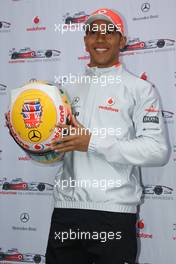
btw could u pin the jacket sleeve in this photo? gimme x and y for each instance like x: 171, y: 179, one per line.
x: 149, y: 147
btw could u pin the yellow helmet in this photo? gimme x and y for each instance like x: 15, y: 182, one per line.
x: 36, y: 109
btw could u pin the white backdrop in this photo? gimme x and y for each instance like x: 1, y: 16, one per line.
x: 33, y: 24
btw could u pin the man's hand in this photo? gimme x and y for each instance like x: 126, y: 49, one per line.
x: 7, y: 118
x: 74, y: 137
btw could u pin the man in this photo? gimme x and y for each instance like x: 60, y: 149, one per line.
x: 94, y: 222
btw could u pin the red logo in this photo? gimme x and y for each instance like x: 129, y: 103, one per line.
x: 62, y: 114
x: 38, y: 146
x: 141, y: 230
x: 110, y: 101
x: 24, y: 158
x: 140, y: 224
x: 151, y: 110
x: 36, y: 25
x: 108, y: 108
x: 36, y: 20
x: 144, y: 76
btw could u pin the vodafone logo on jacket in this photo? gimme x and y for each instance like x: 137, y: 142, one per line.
x: 152, y: 109
x: 108, y: 106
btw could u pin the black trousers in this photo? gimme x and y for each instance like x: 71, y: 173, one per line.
x: 79, y: 236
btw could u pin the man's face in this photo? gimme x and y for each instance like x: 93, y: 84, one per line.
x: 103, y: 43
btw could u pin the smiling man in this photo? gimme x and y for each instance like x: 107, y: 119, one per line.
x: 103, y: 41
x: 98, y: 190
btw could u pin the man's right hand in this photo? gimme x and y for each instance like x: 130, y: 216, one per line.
x: 7, y: 117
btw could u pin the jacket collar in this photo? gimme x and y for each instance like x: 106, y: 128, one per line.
x: 115, y: 69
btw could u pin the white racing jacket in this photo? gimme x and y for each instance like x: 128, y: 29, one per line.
x: 125, y: 119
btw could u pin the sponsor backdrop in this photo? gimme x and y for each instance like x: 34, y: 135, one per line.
x: 32, y: 46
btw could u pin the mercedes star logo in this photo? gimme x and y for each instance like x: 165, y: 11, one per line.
x: 145, y: 7
x: 34, y: 135
x: 24, y: 217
